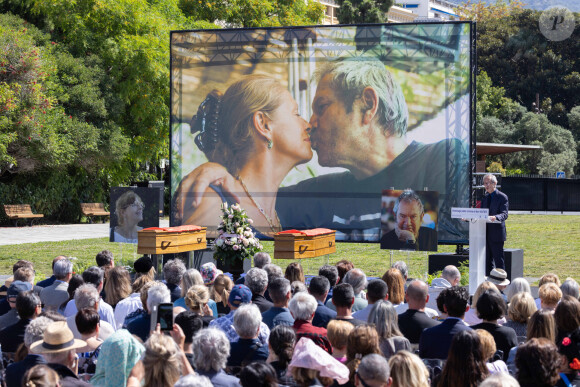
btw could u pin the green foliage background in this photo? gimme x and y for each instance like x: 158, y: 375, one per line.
x: 84, y: 91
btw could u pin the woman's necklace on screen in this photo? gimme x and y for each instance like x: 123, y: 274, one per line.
x: 275, y: 227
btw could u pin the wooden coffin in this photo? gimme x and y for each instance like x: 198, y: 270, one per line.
x: 171, y: 240
x: 303, y: 244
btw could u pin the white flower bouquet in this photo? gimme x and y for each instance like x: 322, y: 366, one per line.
x: 236, y: 240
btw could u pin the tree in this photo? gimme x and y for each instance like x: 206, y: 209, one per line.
x: 363, y: 11
x: 255, y: 13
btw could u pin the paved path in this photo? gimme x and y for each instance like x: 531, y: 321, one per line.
x: 55, y: 233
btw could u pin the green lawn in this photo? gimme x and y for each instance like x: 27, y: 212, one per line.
x: 550, y: 243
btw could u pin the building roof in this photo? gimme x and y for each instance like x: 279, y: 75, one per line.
x: 486, y: 148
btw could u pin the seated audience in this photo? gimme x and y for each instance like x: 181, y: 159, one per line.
x: 144, y: 267
x: 402, y: 266
x: 570, y: 288
x: 257, y: 281
x: 50, y: 280
x: 281, y: 348
x: 498, y: 277
x: 75, y: 282
x: 343, y: 266
x: 450, y: 276
x: 396, y: 287
x: 547, y: 278
x: 489, y: 349
x: 500, y: 379
x: 239, y: 295
x: 190, y: 323
x: 294, y: 272
x: 258, y: 374
x: 247, y: 348
x: 94, y: 276
x: 87, y: 296
x: 490, y: 307
x: 343, y: 299
x: 550, y: 295
x: 407, y: 369
x: 28, y: 307
x: 34, y: 332
x: 376, y: 291
x: 520, y: 309
x: 117, y: 357
x: 58, y: 347
x: 141, y: 326
x: 358, y: 280
x: 193, y: 277
x: 567, y: 317
x: 337, y: 332
x: 436, y: 341
x: 173, y: 270
x: 219, y: 292
x: 212, y: 350
x: 193, y: 380
x: 143, y: 298
x: 313, y: 366
x: 569, y: 346
x: 209, y: 272
x: 40, y: 376
x: 518, y: 285
x: 279, y: 290
x: 330, y: 272
x: 540, y: 325
x: 163, y: 362
x: 87, y: 323
x: 297, y: 287
x: 117, y: 286
x: 414, y: 320
x: 54, y: 295
x: 132, y: 303
x: 373, y: 370
x: 471, y: 316
x: 303, y: 307
x: 465, y: 365
x: 538, y: 363
x: 319, y: 288
x: 362, y: 340
x: 385, y: 319
x: 196, y: 301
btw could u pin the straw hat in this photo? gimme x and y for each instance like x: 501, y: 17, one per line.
x: 57, y: 338
x: 498, y: 277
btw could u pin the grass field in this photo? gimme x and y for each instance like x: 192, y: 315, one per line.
x: 551, y: 243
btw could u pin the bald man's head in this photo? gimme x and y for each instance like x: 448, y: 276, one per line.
x: 417, y: 294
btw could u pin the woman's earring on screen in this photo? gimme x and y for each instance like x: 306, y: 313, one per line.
x: 270, y: 143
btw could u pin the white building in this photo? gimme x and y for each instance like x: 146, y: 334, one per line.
x: 430, y: 8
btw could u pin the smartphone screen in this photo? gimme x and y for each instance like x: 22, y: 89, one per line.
x: 165, y: 316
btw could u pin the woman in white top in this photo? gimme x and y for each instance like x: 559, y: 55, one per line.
x: 129, y: 212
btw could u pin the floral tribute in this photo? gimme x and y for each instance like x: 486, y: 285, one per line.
x: 236, y: 240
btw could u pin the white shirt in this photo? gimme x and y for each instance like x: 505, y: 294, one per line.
x: 105, y: 329
x: 126, y: 306
x: 402, y: 308
x: 105, y: 311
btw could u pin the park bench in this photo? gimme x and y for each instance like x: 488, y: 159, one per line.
x: 93, y: 209
x: 20, y: 211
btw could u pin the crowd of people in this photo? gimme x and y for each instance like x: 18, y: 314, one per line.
x: 274, y: 326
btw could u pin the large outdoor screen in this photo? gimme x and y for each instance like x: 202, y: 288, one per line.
x: 305, y: 127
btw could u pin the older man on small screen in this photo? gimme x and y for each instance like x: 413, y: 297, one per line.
x: 408, y: 233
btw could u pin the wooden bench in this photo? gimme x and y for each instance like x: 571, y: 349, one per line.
x: 20, y: 211
x: 93, y: 209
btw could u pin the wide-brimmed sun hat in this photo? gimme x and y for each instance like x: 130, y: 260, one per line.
x: 57, y: 338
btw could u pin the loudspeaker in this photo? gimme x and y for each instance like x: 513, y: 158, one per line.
x: 514, y: 262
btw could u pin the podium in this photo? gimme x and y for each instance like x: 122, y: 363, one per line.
x: 477, y: 218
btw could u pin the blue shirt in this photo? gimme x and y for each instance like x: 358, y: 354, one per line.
x: 277, y: 316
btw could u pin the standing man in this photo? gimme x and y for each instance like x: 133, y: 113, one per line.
x: 497, y: 202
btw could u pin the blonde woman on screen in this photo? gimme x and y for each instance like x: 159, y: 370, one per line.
x: 255, y: 131
x: 129, y: 211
